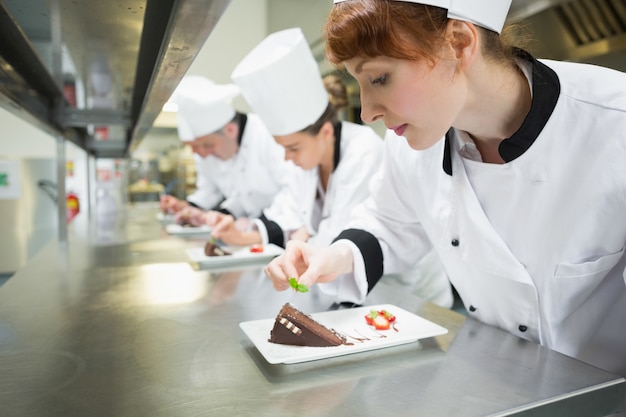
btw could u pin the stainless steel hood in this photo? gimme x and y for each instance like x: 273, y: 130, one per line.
x: 98, y: 72
x: 591, y: 31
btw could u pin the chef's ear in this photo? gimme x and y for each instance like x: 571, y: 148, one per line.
x: 464, y: 40
x: 327, y: 130
x: 231, y: 130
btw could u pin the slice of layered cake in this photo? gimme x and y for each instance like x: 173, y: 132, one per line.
x: 293, y: 327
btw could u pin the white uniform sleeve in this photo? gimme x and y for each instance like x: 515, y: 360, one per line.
x: 389, y: 214
x: 350, y: 288
x: 386, y: 226
x: 350, y: 183
x: 207, y: 194
x: 286, y: 207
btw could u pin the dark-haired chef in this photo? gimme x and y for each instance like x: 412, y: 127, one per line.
x: 239, y: 166
x: 281, y: 81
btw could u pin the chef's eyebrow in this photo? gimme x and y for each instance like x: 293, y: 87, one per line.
x: 359, y: 67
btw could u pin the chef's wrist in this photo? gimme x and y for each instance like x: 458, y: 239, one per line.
x: 251, y: 237
x: 343, y: 256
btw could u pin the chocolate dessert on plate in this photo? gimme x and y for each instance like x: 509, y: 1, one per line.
x: 293, y: 327
x: 212, y: 249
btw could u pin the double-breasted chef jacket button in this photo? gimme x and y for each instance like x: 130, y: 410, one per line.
x: 455, y: 242
x: 472, y: 308
x: 522, y: 328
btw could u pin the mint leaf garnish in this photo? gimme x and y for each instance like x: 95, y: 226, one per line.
x: 296, y: 286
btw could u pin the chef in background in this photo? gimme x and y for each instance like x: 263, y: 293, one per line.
x: 280, y: 80
x: 239, y: 166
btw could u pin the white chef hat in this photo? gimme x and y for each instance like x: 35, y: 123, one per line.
x: 489, y: 14
x: 203, y: 106
x: 281, y: 81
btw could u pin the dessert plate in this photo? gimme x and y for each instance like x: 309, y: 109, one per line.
x: 179, y: 230
x: 239, y: 255
x: 351, y: 323
x: 166, y: 218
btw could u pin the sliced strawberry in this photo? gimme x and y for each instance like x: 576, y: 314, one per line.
x: 381, y: 323
x: 369, y: 317
x: 388, y: 315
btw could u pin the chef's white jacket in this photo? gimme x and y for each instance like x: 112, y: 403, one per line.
x: 534, y: 246
x: 248, y: 182
x: 358, y: 155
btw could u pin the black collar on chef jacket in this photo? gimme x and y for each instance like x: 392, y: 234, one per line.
x: 243, y: 119
x: 337, y: 156
x: 546, y: 90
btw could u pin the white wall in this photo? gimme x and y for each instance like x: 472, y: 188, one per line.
x: 20, y: 139
x: 242, y: 26
x: 309, y: 15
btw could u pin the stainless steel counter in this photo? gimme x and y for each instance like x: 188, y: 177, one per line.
x: 121, y: 324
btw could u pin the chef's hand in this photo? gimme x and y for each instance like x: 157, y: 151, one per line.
x: 300, y: 234
x: 212, y: 217
x: 169, y: 204
x: 235, y: 232
x: 309, y: 264
x: 190, y: 215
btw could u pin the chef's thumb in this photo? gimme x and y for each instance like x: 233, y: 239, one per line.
x: 308, y: 277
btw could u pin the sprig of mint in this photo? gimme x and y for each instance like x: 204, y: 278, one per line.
x: 296, y: 286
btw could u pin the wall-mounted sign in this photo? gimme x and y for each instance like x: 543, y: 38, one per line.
x: 10, y: 181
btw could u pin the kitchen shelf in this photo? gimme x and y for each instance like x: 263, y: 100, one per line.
x: 98, y: 73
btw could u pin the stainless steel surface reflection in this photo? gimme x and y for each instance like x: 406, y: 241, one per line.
x: 131, y: 328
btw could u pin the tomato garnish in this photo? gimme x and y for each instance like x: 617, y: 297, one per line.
x: 256, y: 248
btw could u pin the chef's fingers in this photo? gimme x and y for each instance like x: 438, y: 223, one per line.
x: 165, y: 202
x: 295, y: 258
x: 314, y: 271
x: 276, y: 274
x: 212, y: 217
x: 181, y: 215
x: 196, y: 216
x: 223, y: 225
x: 326, y: 263
x: 176, y: 205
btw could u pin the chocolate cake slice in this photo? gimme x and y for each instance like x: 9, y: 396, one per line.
x: 293, y: 327
x: 211, y: 249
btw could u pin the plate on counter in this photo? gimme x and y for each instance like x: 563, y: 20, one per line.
x: 239, y: 255
x: 408, y: 328
x: 180, y: 230
x: 166, y: 218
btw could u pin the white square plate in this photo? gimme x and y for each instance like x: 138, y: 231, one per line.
x: 166, y: 218
x: 178, y: 230
x: 351, y: 323
x: 240, y: 255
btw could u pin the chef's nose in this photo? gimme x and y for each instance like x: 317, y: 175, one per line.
x: 370, y: 111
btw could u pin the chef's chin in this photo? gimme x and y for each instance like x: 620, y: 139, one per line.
x: 419, y: 144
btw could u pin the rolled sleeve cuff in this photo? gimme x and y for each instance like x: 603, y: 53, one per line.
x: 272, y: 232
x: 349, y: 288
x: 259, y: 226
x: 369, y: 252
x: 192, y: 204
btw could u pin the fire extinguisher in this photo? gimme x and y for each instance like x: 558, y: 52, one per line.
x: 73, y: 206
